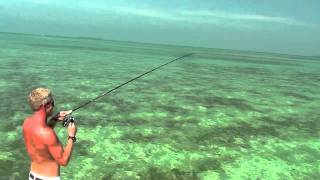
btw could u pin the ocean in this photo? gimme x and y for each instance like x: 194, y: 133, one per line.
x: 218, y: 114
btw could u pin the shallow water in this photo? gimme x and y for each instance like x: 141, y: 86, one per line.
x: 219, y: 114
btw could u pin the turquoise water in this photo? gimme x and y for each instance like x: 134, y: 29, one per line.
x: 219, y: 114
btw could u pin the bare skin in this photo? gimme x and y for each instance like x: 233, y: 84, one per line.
x: 43, y: 146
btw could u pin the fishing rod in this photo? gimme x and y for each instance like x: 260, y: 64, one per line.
x: 69, y: 118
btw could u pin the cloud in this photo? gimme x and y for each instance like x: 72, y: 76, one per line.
x: 97, y: 12
x: 148, y: 13
x: 208, y: 17
x: 42, y: 1
x: 242, y: 17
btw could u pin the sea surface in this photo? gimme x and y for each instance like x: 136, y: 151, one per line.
x: 218, y: 114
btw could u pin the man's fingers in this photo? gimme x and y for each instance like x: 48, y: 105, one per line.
x: 67, y: 112
x: 70, y: 124
x: 64, y: 113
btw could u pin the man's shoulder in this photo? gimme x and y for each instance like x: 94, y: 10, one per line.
x: 47, y: 135
x: 27, y: 124
x: 46, y: 131
x: 26, y: 121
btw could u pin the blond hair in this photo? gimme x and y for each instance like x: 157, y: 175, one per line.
x: 39, y: 96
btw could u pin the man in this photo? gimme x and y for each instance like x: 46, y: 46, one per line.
x: 43, y: 146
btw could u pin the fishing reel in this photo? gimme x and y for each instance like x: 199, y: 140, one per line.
x: 67, y: 119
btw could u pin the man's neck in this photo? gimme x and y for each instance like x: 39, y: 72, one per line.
x: 40, y: 116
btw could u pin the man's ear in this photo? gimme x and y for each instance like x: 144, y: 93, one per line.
x: 45, y: 105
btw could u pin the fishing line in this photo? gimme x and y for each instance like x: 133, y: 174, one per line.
x: 69, y: 118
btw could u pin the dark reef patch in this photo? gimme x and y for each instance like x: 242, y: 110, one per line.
x: 138, y: 137
x: 213, y: 101
x: 156, y: 173
x: 298, y: 96
x: 306, y: 128
x: 82, y: 148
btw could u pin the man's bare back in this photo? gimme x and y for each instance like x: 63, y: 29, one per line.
x: 41, y: 160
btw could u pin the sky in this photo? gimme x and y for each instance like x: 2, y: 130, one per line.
x: 281, y: 26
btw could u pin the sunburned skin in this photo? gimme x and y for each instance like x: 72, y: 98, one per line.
x: 43, y: 146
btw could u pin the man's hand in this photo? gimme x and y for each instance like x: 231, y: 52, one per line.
x: 62, y: 114
x: 72, y: 129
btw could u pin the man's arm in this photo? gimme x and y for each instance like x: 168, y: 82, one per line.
x: 60, y: 155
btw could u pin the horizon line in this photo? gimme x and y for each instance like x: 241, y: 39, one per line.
x: 164, y: 44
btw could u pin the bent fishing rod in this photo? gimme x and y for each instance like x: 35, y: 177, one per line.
x: 69, y: 118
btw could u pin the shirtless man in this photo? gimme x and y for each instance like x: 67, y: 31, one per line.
x: 43, y: 146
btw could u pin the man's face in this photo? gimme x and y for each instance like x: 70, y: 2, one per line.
x: 49, y: 107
